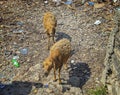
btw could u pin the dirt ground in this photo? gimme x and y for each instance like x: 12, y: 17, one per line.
x: 21, y: 27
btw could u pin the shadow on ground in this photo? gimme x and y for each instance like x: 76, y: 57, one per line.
x: 61, y: 35
x: 79, y: 74
x: 18, y: 88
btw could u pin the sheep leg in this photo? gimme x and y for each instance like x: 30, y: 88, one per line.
x: 53, y: 35
x: 53, y: 38
x: 59, y: 76
x: 65, y: 66
x: 48, y: 41
x: 54, y: 79
x: 65, y: 63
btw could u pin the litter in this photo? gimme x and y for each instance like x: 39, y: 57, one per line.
x: 18, y: 31
x: 15, y: 63
x: 24, y: 51
x: 97, y: 22
x: 91, y: 3
x: 68, y: 2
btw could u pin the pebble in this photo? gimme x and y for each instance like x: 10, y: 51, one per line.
x: 65, y: 88
x: 35, y: 77
x: 76, y: 90
x: 49, y: 90
x: 35, y: 91
x: 96, y: 78
x: 8, y: 53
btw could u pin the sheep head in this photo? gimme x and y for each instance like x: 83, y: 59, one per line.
x: 47, y: 66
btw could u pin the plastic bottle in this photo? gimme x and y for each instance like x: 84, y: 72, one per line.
x: 15, y: 63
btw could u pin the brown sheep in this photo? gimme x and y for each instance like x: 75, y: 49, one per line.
x: 50, y: 23
x: 59, y: 54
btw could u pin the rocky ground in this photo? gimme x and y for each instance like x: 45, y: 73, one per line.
x: 21, y: 27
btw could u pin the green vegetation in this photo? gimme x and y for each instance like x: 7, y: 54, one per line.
x: 98, y: 91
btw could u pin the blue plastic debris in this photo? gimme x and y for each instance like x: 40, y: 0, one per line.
x: 91, y: 3
x: 24, y: 51
x: 68, y: 2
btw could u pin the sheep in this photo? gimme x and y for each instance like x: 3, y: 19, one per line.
x: 50, y: 23
x: 59, y: 54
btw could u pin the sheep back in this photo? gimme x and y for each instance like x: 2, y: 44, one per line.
x: 49, y: 21
x: 62, y: 47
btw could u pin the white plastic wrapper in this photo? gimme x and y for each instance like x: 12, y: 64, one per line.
x: 97, y: 22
